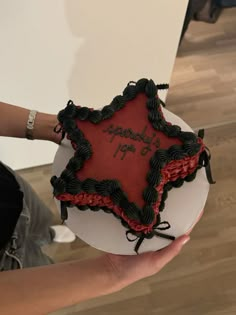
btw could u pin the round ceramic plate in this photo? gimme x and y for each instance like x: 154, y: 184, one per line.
x: 184, y: 207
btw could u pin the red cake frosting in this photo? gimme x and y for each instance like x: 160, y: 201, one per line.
x: 127, y: 158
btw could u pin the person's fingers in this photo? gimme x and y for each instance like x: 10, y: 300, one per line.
x: 162, y: 257
x: 128, y: 269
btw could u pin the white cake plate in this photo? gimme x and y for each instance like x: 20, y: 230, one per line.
x: 183, y: 209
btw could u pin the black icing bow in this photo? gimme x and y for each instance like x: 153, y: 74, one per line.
x: 204, y: 159
x: 141, y: 236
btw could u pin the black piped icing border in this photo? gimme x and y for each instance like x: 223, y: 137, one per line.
x: 67, y: 182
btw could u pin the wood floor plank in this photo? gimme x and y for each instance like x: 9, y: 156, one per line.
x: 204, y: 76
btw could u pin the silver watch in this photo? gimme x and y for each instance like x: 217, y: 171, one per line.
x: 30, y: 125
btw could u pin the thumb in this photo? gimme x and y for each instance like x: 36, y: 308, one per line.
x: 164, y: 256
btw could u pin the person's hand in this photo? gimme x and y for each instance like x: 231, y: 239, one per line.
x: 127, y: 269
x: 44, y: 128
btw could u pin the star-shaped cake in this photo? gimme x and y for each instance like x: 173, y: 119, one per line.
x: 127, y: 158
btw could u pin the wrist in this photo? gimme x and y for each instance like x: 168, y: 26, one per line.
x: 43, y: 127
x: 116, y: 279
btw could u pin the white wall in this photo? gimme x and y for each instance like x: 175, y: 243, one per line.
x: 85, y: 50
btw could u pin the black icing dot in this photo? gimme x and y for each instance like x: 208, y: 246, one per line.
x: 82, y: 208
x: 168, y: 186
x: 106, y: 209
x: 94, y: 208
x: 191, y: 177
x: 162, y: 206
x: 124, y: 223
x: 164, y: 195
x: 178, y: 183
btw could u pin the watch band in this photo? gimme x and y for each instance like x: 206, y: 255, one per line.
x: 30, y: 125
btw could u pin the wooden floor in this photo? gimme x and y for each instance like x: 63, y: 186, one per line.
x: 202, y: 280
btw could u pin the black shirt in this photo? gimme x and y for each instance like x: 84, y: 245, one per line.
x: 11, y: 204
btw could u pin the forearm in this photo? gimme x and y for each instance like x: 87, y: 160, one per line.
x: 13, y: 120
x: 42, y: 290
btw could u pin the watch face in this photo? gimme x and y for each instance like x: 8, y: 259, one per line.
x: 30, y: 125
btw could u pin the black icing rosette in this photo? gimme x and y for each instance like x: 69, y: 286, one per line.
x: 130, y: 92
x: 141, y: 85
x: 70, y: 110
x: 188, y: 137
x: 84, y: 150
x: 83, y: 113
x: 74, y: 187
x: 154, y: 177
x: 61, y: 116
x: 150, y: 195
x: 67, y: 175
x: 107, y: 112
x: 148, y: 215
x: 59, y: 186
x: 153, y: 116
x: 69, y: 125
x: 132, y: 211
x: 151, y: 89
x: 75, y: 164
x: 107, y: 187
x: 95, y: 116
x: 152, y: 103
x: 76, y: 136
x: 88, y: 185
x: 192, y: 149
x: 176, y: 152
x: 118, y: 102
x: 117, y: 196
x: 173, y: 130
x: 159, y: 159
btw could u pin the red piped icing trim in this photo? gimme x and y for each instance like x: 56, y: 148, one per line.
x: 171, y: 172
